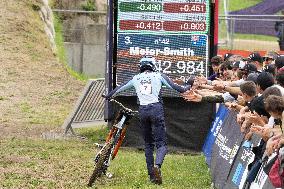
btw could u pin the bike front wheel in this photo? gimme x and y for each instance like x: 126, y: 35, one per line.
x: 100, y: 166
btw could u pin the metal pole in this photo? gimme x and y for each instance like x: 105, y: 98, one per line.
x: 109, y: 57
x: 82, y: 49
x: 226, y: 20
x: 232, y: 21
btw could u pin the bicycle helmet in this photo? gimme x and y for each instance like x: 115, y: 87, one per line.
x: 147, y: 63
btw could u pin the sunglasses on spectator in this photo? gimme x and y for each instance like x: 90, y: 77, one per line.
x: 267, y: 58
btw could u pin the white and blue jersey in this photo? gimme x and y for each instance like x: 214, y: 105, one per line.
x: 148, y: 85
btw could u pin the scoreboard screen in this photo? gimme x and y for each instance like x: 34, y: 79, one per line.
x: 174, y: 32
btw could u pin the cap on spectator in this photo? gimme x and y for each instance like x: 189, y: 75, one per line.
x: 249, y: 68
x: 270, y: 68
x: 252, y: 77
x: 271, y: 54
x: 227, y: 56
x: 279, y: 62
x: 239, y: 64
x: 236, y: 64
x: 255, y: 56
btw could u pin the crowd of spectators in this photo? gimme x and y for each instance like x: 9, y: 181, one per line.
x: 252, y: 86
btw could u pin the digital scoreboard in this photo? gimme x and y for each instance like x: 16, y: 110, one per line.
x: 174, y: 32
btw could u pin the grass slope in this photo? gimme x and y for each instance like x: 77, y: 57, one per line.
x: 36, y: 91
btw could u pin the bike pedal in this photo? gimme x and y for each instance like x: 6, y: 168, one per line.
x: 99, y: 145
x: 109, y: 175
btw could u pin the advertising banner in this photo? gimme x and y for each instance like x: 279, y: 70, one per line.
x: 213, y: 132
x: 239, y: 169
x: 225, y: 149
x: 231, y: 155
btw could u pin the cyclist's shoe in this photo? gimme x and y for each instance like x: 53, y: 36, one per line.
x: 152, y: 179
x: 157, y: 174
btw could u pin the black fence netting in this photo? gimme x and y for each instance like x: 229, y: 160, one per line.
x: 187, y: 123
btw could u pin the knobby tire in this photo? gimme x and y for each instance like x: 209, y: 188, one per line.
x: 100, y: 167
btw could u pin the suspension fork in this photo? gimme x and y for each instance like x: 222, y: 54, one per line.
x: 119, y: 141
x: 111, y: 133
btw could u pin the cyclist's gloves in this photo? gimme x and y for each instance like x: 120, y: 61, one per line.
x: 190, y: 81
x: 106, y: 97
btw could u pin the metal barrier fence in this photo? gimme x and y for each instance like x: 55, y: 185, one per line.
x: 89, y: 109
x: 249, y: 32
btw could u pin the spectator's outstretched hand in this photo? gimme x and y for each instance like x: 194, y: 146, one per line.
x: 272, y: 144
x: 200, y: 80
x: 257, y: 119
x: 281, y: 142
x: 245, y: 126
x: 192, y: 96
x: 217, y: 82
x: 219, y: 87
x: 241, y: 100
x: 263, y: 132
x: 240, y: 118
x: 231, y: 105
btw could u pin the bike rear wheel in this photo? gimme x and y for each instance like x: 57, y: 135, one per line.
x: 100, y: 166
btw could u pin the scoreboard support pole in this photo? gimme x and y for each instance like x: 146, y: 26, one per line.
x: 109, y: 57
x: 215, y: 27
x: 214, y: 31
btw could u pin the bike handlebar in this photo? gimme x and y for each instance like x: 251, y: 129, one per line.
x: 120, y: 104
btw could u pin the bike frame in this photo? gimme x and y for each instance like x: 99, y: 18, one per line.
x: 117, y: 132
x: 113, y: 142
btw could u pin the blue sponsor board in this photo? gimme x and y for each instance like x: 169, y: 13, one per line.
x: 238, y: 174
x: 225, y: 149
x: 239, y: 169
x: 213, y: 132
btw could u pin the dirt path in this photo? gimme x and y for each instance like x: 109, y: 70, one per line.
x: 36, y: 91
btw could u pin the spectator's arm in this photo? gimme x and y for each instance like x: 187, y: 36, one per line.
x: 206, y: 87
x: 224, y: 87
x: 233, y: 106
x: 233, y: 90
x: 244, y: 110
x: 277, y: 130
x: 213, y: 99
x: 257, y: 119
x: 263, y: 132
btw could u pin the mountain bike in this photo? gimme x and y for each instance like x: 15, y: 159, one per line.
x: 113, y: 142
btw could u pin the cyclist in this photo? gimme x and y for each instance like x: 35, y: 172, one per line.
x: 147, y: 85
